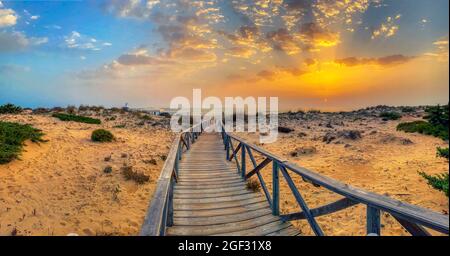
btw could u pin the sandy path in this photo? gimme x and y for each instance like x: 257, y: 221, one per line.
x: 59, y: 187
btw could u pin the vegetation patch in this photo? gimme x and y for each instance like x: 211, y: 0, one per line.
x: 102, y: 135
x: 10, y: 109
x: 253, y: 185
x: 12, y: 138
x: 390, y: 116
x: 439, y: 182
x: 75, y: 118
x: 443, y: 152
x: 282, y: 129
x: 424, y: 127
x: 135, y: 176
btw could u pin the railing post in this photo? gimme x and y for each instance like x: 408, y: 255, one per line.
x: 275, y: 188
x: 227, y: 146
x: 169, y: 221
x: 177, y: 160
x: 373, y: 221
x: 243, y: 166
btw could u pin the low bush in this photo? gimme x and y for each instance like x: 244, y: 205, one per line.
x: 390, y: 116
x: 75, y: 118
x: 408, y: 109
x: 424, y: 127
x: 282, y: 129
x: 443, y: 152
x: 12, y: 137
x: 10, y: 109
x: 439, y: 182
x: 137, y: 177
x: 253, y: 185
x: 102, y: 135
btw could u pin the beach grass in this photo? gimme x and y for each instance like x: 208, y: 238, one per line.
x: 12, y: 138
x: 76, y: 118
x: 10, y: 109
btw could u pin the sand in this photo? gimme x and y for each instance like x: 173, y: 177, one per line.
x: 382, y: 161
x: 59, y: 187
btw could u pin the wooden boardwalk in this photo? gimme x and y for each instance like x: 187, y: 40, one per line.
x: 210, y: 197
x: 205, y: 194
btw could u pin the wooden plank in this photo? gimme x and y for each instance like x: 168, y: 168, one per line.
x: 289, y: 231
x: 221, y: 205
x: 412, y: 228
x: 322, y: 210
x: 222, y: 211
x: 217, y: 200
x: 211, y: 195
x: 260, y: 230
x: 203, y: 186
x: 216, y: 220
x: 373, y: 221
x: 221, y: 228
x: 209, y: 191
x: 258, y: 168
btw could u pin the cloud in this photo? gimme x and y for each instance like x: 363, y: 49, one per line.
x: 192, y: 54
x: 316, y: 36
x: 82, y: 42
x: 282, y: 40
x: 17, y: 41
x: 241, y: 52
x: 141, y: 57
x: 440, y: 51
x: 8, y: 17
x: 388, y: 28
x: 35, y: 17
x: 382, y: 61
x: 130, y: 8
x: 278, y: 72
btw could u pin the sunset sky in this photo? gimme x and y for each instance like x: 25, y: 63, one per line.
x: 325, y: 54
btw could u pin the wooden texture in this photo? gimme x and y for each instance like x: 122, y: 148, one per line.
x: 210, y: 197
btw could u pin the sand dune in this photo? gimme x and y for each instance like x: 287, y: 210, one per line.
x: 383, y: 161
x: 59, y: 187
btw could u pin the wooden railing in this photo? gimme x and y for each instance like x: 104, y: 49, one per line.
x: 412, y: 218
x: 160, y: 211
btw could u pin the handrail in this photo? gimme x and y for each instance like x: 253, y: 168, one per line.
x: 411, y: 217
x: 160, y: 211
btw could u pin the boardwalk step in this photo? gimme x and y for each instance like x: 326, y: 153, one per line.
x: 180, y: 205
x: 215, y: 220
x: 221, y: 228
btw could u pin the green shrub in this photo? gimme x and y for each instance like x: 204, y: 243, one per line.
x: 439, y: 182
x: 75, y: 118
x: 424, y: 128
x: 437, y: 115
x: 442, y: 152
x: 390, y: 116
x: 10, y: 109
x: 12, y: 137
x: 102, y: 135
x: 408, y: 109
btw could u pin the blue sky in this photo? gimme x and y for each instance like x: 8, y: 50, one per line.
x: 309, y: 53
